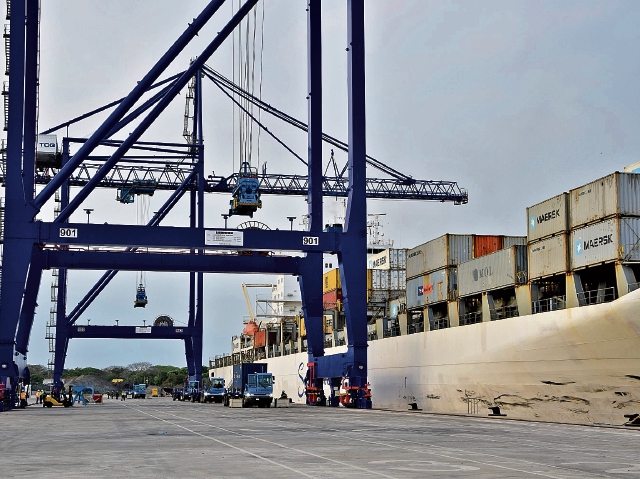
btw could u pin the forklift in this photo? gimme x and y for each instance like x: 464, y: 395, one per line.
x: 56, y: 399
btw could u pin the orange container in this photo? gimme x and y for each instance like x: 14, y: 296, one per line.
x: 483, y: 245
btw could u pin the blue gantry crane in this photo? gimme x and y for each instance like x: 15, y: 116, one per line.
x: 138, y: 167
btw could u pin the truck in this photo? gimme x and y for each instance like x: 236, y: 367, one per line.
x: 251, y: 383
x: 191, y: 391
x: 139, y: 391
x: 215, y: 392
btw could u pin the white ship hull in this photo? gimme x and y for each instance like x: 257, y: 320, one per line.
x: 578, y: 365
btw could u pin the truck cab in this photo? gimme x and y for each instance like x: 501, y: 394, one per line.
x: 258, y: 390
x: 216, y: 391
x: 191, y: 391
x: 139, y: 391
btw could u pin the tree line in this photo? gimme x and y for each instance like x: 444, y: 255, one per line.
x: 135, y: 373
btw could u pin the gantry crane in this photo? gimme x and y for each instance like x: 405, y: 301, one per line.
x: 31, y: 246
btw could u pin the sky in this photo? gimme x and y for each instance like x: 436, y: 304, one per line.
x: 517, y: 101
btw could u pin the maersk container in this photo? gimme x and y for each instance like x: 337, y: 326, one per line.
x: 548, y: 218
x: 486, y: 244
x: 548, y: 257
x: 435, y: 287
x: 504, y: 268
x: 447, y: 250
x: 609, y: 240
x: 391, y: 258
x: 617, y: 194
x: 509, y: 241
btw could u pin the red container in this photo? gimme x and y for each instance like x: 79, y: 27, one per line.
x: 332, y: 299
x: 260, y: 339
x: 483, y: 245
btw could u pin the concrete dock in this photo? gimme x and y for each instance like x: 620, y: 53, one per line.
x: 158, y: 437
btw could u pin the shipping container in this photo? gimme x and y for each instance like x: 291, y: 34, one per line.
x: 379, y: 279
x: 485, y: 244
x: 609, y: 240
x: 635, y: 168
x: 382, y: 279
x: 331, y: 280
x: 332, y: 299
x: 447, y: 250
x: 548, y: 218
x: 617, y: 194
x: 509, y: 241
x: 391, y: 258
x: 548, y: 257
x: 504, y: 268
x: 434, y: 287
x: 397, y: 279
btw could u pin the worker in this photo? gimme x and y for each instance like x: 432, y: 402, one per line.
x: 37, y: 397
x: 123, y: 396
x: 23, y: 399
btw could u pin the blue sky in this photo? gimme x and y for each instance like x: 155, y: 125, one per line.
x: 517, y: 101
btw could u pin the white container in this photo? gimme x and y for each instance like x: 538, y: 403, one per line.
x: 614, y: 239
x: 548, y: 218
x: 617, y: 194
x: 548, y: 257
x: 434, y: 287
x: 391, y: 258
x: 447, y: 250
x: 504, y: 268
x: 388, y: 279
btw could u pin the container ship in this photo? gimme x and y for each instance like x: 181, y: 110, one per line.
x: 544, y: 326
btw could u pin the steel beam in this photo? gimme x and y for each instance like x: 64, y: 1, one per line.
x: 16, y: 252
x: 353, y: 246
x: 29, y: 303
x: 128, y: 332
x: 311, y: 278
x: 180, y: 237
x: 208, y: 263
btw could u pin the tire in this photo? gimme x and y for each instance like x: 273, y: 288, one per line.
x: 49, y: 404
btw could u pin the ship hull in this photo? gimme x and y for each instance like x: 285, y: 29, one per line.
x: 579, y: 365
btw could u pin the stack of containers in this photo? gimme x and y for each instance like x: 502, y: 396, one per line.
x: 388, y: 273
x: 331, y: 290
x: 548, y: 237
x: 604, y: 219
x: 431, y: 269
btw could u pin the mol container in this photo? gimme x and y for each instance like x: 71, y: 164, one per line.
x: 447, y: 250
x: 609, y: 240
x: 434, y: 287
x: 502, y: 269
x: 391, y: 258
x: 548, y: 257
x: 548, y: 218
x: 617, y: 194
x: 331, y: 281
x: 485, y: 244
